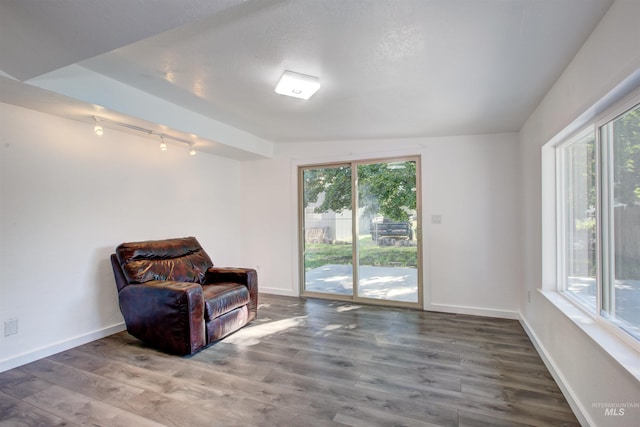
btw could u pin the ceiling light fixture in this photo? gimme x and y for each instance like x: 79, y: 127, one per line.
x: 297, y: 85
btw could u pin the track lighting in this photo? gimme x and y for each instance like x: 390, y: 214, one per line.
x: 99, y: 131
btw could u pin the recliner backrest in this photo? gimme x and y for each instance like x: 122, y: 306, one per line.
x: 180, y: 260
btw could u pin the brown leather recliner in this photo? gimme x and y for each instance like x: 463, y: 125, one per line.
x: 174, y: 299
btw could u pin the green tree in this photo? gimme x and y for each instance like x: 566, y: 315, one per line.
x: 626, y: 157
x: 387, y: 189
x: 333, y: 183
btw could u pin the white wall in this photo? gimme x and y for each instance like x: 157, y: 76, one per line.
x: 470, y: 261
x: 608, y: 57
x: 67, y: 198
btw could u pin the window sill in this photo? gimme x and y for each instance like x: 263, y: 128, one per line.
x: 623, y: 353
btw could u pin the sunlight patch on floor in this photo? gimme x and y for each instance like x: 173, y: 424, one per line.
x: 326, y: 331
x: 345, y: 308
x: 249, y: 336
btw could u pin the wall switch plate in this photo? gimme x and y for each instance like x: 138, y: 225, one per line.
x: 436, y: 219
x: 10, y: 327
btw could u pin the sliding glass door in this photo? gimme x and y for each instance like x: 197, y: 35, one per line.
x: 372, y: 255
x: 327, y: 230
x: 387, y: 246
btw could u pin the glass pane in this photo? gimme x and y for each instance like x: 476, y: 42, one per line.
x: 621, y: 287
x: 328, y: 232
x: 579, y: 216
x: 387, y: 245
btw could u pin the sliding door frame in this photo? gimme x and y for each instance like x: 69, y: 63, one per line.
x: 353, y: 164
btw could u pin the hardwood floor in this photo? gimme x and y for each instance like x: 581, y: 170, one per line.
x: 301, y: 363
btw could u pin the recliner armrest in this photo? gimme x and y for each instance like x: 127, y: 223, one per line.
x: 245, y: 276
x: 169, y: 315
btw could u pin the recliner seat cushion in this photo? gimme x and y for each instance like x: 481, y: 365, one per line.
x: 221, y: 298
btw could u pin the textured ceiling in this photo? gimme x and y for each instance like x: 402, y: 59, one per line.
x: 389, y: 69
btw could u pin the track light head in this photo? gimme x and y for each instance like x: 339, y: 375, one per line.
x: 97, y: 129
x: 163, y: 145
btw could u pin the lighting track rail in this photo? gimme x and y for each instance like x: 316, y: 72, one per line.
x: 163, y: 136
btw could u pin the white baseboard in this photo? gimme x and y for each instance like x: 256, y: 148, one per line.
x: 277, y: 291
x: 32, y: 356
x: 566, y: 389
x: 474, y: 311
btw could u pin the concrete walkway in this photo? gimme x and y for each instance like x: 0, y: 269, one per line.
x: 389, y: 283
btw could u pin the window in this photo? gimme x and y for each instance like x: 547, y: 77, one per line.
x: 578, y: 192
x: 599, y: 219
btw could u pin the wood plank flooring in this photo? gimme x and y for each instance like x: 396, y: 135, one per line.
x: 301, y: 363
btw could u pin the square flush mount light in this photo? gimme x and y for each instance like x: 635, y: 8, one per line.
x: 297, y: 85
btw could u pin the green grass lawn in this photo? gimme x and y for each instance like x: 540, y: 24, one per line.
x: 319, y: 254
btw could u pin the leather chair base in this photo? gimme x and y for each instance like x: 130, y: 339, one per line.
x: 222, y: 326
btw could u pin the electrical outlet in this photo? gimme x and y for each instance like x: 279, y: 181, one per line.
x: 10, y: 327
x: 436, y: 219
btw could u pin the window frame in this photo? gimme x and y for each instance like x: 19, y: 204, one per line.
x: 561, y: 212
x: 606, y: 200
x: 604, y: 171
